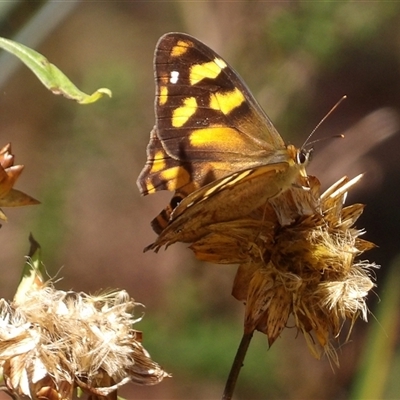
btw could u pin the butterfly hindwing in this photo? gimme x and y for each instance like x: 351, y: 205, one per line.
x: 226, y: 199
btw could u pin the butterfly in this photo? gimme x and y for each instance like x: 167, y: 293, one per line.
x: 212, y: 144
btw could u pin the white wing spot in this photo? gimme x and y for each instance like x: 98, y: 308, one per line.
x: 174, y: 77
x: 220, y: 63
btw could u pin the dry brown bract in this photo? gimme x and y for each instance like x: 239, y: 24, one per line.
x: 52, y: 342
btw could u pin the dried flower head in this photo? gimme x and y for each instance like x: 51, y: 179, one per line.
x: 308, y: 269
x: 297, y: 256
x: 9, y: 174
x: 52, y: 342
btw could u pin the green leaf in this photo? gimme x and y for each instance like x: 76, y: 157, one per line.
x: 49, y: 74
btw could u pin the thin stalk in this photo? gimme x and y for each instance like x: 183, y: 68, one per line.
x: 237, y: 365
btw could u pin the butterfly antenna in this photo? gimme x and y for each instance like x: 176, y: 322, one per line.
x: 320, y: 123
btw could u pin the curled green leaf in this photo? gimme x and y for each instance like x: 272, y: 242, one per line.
x: 51, y: 77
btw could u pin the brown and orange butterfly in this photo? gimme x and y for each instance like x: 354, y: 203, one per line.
x: 212, y: 143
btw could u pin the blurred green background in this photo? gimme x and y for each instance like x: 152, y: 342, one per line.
x: 81, y: 162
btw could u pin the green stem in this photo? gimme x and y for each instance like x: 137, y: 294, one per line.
x: 236, y: 366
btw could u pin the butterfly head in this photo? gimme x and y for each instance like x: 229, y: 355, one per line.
x: 300, y: 158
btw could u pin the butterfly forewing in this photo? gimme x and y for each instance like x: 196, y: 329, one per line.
x: 205, y: 113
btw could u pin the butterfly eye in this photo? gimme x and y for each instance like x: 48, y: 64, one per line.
x: 303, y: 156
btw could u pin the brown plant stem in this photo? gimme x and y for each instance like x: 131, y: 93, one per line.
x: 237, y: 365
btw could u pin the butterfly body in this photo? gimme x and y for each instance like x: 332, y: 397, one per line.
x: 212, y: 143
